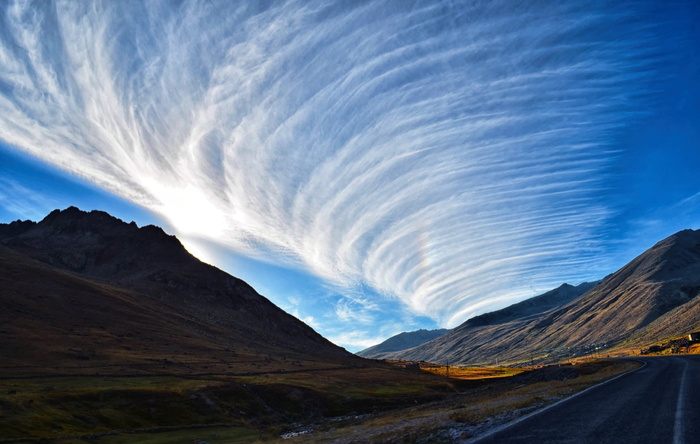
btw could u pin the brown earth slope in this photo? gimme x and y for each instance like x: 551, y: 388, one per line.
x: 654, y: 297
x: 532, y: 307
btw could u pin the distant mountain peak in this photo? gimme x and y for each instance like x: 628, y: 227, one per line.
x: 565, y: 285
x: 401, y: 341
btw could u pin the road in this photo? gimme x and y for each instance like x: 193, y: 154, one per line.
x: 659, y: 403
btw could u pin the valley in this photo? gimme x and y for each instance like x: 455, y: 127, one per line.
x: 113, y: 333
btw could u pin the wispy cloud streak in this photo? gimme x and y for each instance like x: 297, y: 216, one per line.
x: 453, y: 156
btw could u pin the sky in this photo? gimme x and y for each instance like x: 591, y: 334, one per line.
x: 371, y: 167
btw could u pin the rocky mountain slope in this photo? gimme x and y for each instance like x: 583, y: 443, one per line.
x: 531, y: 307
x: 402, y: 341
x: 81, y: 286
x: 651, y: 298
x: 534, y: 307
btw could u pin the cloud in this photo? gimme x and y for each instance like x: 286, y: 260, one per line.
x: 354, y: 313
x: 450, y: 157
x: 22, y: 201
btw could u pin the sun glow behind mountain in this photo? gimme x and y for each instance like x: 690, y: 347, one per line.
x: 452, y: 157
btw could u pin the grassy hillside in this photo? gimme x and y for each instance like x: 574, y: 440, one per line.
x: 652, y: 298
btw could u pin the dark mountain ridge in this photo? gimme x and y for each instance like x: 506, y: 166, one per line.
x: 96, y: 244
x: 126, y: 272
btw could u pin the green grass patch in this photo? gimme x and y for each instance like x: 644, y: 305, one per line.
x: 74, y: 406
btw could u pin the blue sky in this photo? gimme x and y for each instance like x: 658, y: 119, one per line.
x: 371, y: 167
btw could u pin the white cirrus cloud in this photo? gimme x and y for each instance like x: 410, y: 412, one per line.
x: 450, y: 155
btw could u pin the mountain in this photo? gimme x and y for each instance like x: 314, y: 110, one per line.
x: 402, y: 341
x: 533, y: 307
x: 87, y: 289
x: 527, y: 309
x: 652, y: 298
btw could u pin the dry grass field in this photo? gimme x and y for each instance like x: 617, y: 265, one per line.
x: 472, y: 411
x: 371, y: 404
x: 465, y: 373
